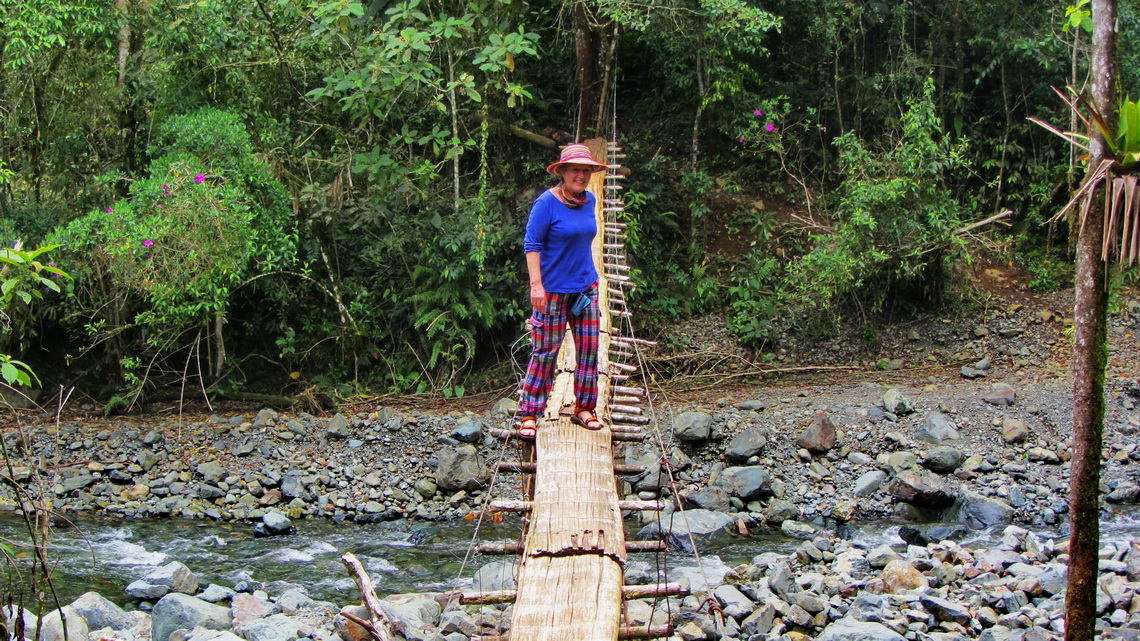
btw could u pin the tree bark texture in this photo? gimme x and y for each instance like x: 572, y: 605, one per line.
x: 586, y: 49
x: 1089, y: 356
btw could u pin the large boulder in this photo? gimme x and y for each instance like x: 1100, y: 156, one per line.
x: 936, y: 428
x: 692, y: 426
x: 980, y: 512
x: 746, y: 483
x: 922, y: 490
x: 495, y: 576
x: 705, y: 498
x: 705, y: 525
x: 1014, y: 430
x: 213, y: 472
x: 869, y: 483
x: 278, y: 627
x: 848, y: 629
x: 12, y: 614
x: 52, y: 624
x: 899, y: 575
x: 461, y: 468
x: 172, y: 577
x: 100, y: 613
x: 746, y: 444
x: 819, y: 436
x: 179, y: 611
x: 944, y: 459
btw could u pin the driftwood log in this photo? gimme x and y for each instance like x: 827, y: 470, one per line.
x: 380, y: 626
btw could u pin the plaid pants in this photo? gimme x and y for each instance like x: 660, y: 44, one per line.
x: 546, y: 333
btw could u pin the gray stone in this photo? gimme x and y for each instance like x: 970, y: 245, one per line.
x: 213, y: 472
x: 797, y: 530
x: 746, y: 444
x: 754, y: 405
x: 971, y: 372
x: 77, y: 482
x: 100, y: 613
x: 944, y: 459
x: 461, y: 468
x: 922, y: 490
x: 1133, y: 560
x: 458, y: 621
x: 760, y: 621
x: 980, y: 512
x: 264, y: 418
x: 181, y: 611
x: 692, y: 426
x: 1014, y: 430
x: 12, y: 614
x: 706, y: 498
x: 338, y: 427
x: 504, y: 408
x: 293, y: 487
x: 1001, y: 395
x: 746, y: 483
x: 276, y: 523
x: 779, y: 511
x: 945, y: 610
x: 896, y: 403
x: 936, y: 428
x: 414, y: 610
x: 293, y: 600
x: 881, y: 556
x: 468, y: 432
x: 215, y: 593
x: 867, y: 606
x: 426, y: 488
x: 902, y: 461
x: 175, y: 576
x: 278, y: 627
x: 52, y: 624
x: 146, y: 459
x: 1125, y: 492
x: 782, y: 580
x: 705, y: 524
x: 869, y: 483
x: 848, y: 629
x: 497, y: 575
x: 733, y: 601
x: 819, y: 436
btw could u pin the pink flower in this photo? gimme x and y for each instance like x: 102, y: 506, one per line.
x: 770, y: 127
x: 148, y: 243
x: 741, y: 139
x: 758, y: 112
x: 166, y: 188
x: 200, y: 178
x: 110, y: 210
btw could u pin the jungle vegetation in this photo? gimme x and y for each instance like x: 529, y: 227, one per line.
x: 282, y: 195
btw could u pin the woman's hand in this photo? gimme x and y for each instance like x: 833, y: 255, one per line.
x: 538, y: 297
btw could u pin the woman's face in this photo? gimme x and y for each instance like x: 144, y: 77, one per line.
x: 575, y: 177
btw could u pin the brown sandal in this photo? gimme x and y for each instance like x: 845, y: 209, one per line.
x: 528, y: 432
x: 589, y: 421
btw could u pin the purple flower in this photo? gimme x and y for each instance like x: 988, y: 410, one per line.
x: 110, y: 210
x: 165, y: 188
x: 200, y: 178
x: 758, y: 112
x: 741, y: 139
x: 148, y: 243
x: 770, y: 127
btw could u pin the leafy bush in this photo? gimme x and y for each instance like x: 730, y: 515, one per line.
x: 894, y: 220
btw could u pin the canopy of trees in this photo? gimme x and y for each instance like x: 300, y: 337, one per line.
x: 275, y: 194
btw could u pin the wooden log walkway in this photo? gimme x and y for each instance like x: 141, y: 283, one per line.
x: 570, y: 579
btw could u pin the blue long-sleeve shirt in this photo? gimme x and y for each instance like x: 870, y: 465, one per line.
x: 563, y: 237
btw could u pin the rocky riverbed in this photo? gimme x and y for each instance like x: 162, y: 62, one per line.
x: 966, y: 424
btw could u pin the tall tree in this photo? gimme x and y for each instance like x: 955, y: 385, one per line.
x: 1089, y: 351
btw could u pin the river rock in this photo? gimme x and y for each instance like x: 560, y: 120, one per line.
x: 705, y: 498
x: 248, y: 607
x: 468, y: 432
x: 819, y: 436
x: 10, y: 614
x: 922, y: 490
x: 754, y: 405
x: 881, y: 556
x: 278, y: 627
x: 760, y: 621
x: 746, y: 444
x: 274, y: 523
x: 779, y: 511
x: 497, y: 575
x: 733, y: 601
x: 293, y: 487
x: 215, y: 593
x: 1002, y: 394
x: 945, y: 610
x: 971, y: 372
x: 900, y: 462
x: 181, y: 611
x: 213, y: 472
x: 798, y: 530
x: 461, y: 468
x: 172, y: 577
x: 900, y: 575
x: 1014, y: 430
x: 692, y: 426
x: 896, y: 403
x: 338, y: 427
x: 504, y: 408
x: 413, y: 610
x: 1132, y: 565
x: 944, y: 459
x: 705, y: 525
x: 1124, y: 492
x: 746, y: 483
x: 51, y: 625
x: 848, y: 629
x: 980, y: 512
x: 869, y: 483
x: 100, y: 613
x: 936, y: 428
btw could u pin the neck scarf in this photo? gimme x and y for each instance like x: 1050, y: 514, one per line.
x: 573, y: 202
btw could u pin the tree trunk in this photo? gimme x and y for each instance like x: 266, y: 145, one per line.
x: 1089, y: 356
x: 587, y: 73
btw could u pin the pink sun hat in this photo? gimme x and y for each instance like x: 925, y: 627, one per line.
x: 576, y: 155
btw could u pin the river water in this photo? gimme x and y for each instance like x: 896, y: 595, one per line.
x: 105, y: 555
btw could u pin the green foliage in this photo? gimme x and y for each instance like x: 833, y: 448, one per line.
x: 895, y: 217
x: 753, y: 303
x: 1048, y: 269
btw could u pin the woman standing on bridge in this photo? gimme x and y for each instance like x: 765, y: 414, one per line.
x: 563, y: 289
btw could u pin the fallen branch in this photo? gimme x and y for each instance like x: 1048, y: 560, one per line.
x: 380, y: 627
